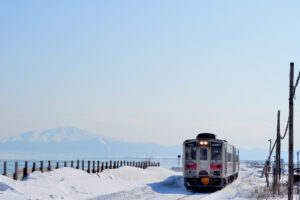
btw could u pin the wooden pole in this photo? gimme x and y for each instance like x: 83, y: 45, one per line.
x: 4, y: 168
x: 42, y: 167
x: 89, y: 167
x: 291, y: 133
x: 16, y: 171
x: 49, y: 165
x: 276, y: 172
x: 25, y: 170
x: 33, y: 166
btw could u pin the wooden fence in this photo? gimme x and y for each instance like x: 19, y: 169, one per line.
x: 92, y: 166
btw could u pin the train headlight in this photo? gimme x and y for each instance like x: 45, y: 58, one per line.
x: 203, y: 142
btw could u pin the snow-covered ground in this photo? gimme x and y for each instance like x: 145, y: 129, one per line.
x: 123, y: 183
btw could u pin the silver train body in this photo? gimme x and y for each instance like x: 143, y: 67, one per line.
x: 209, y: 162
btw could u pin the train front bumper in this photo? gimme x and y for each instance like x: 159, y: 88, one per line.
x: 202, y: 182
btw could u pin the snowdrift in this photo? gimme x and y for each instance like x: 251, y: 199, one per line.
x: 123, y: 183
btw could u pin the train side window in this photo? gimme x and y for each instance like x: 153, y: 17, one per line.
x: 216, y: 151
x: 203, y: 153
x: 190, y: 151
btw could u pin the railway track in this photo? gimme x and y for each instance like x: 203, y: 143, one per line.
x: 180, y: 198
x: 190, y: 195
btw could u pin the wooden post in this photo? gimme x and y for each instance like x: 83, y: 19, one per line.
x: 42, y: 167
x: 77, y: 164
x: 25, y: 170
x: 98, y: 166
x: 82, y: 164
x: 89, y: 167
x: 106, y: 165
x: 94, y: 171
x: 291, y: 133
x: 277, y: 158
x: 110, y: 164
x: 4, y: 168
x: 102, y: 166
x: 72, y: 163
x: 57, y: 165
x: 114, y: 166
x: 65, y: 164
x: 49, y: 165
x: 33, y: 166
x: 16, y: 171
x: 118, y: 165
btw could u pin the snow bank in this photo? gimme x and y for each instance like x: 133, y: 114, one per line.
x: 69, y: 183
x: 123, y: 183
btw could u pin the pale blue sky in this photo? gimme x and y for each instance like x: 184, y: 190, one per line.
x: 150, y: 71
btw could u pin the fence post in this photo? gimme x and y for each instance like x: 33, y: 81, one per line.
x: 77, y: 164
x: 98, y: 166
x: 25, y: 170
x: 65, y: 164
x: 4, y: 168
x: 72, y: 163
x: 133, y: 163
x: 114, y: 166
x: 42, y: 167
x: 106, y: 165
x: 89, y: 166
x: 94, y: 171
x: 57, y: 165
x: 82, y: 165
x: 110, y: 164
x: 49, y: 165
x: 121, y: 163
x: 117, y: 164
x: 33, y: 166
x: 102, y: 166
x: 16, y: 171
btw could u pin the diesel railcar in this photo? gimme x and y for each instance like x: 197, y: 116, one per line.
x: 209, y: 162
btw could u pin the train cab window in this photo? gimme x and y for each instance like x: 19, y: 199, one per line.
x: 216, y: 151
x: 190, y: 151
x: 203, y: 153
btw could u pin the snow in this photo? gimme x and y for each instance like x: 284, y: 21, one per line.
x: 123, y: 183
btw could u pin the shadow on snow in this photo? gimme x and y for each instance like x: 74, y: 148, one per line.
x: 175, y: 185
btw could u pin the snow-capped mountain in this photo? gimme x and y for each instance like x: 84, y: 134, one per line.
x: 73, y: 142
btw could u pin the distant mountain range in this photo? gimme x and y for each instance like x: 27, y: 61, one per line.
x: 74, y: 143
x: 71, y: 142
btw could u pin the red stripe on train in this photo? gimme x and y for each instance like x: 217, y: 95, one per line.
x: 215, y: 166
x: 193, y: 166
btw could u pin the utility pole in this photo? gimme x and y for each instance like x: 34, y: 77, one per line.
x: 277, y: 172
x: 270, y: 140
x: 298, y: 162
x: 291, y: 133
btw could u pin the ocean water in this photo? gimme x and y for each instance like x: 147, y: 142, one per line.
x: 164, y: 162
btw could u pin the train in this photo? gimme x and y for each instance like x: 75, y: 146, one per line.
x: 208, y: 162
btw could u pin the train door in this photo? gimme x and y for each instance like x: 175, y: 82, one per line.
x: 203, y: 161
x: 234, y: 160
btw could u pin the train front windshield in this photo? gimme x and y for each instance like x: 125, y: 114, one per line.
x: 190, y: 151
x: 216, y: 151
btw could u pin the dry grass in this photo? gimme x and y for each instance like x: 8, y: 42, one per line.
x: 264, y: 192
